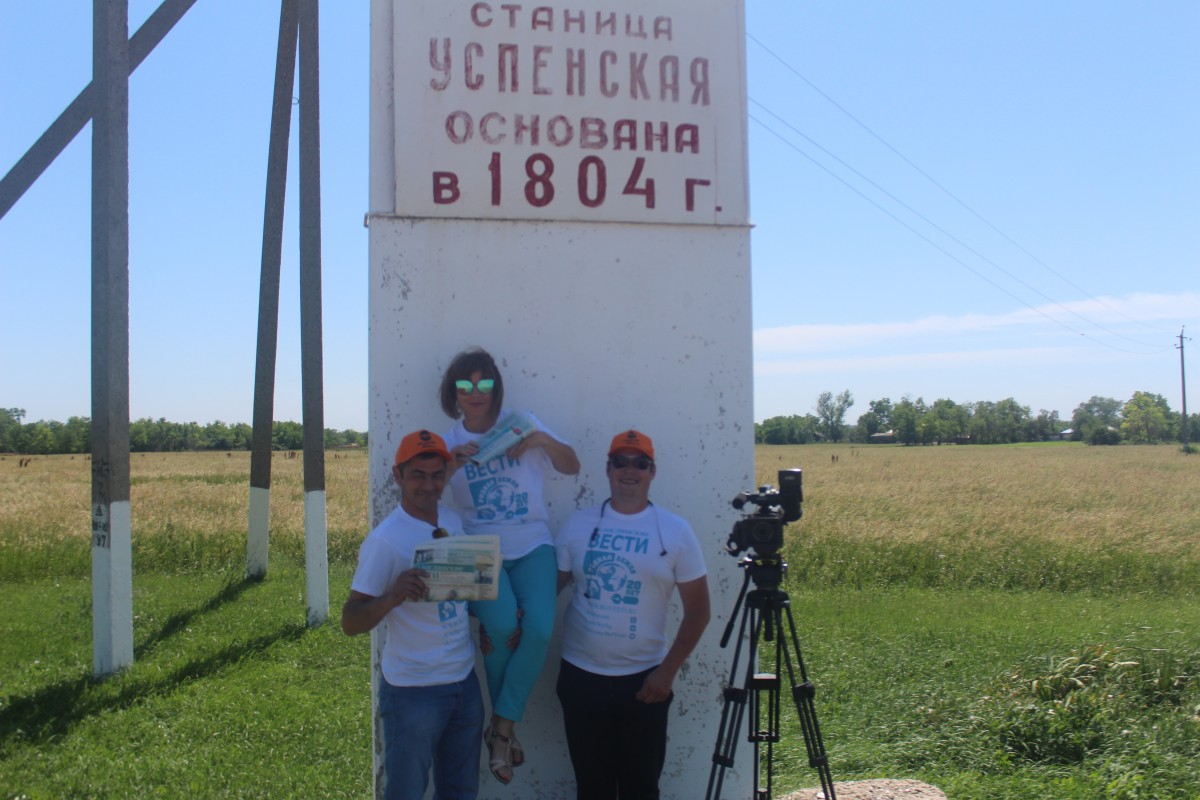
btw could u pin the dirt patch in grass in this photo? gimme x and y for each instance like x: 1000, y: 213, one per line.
x: 874, y: 790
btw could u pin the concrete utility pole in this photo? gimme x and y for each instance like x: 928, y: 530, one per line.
x: 1183, y: 391
x: 316, y: 553
x: 112, y: 559
x: 258, y: 536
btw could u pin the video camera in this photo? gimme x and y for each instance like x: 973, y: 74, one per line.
x: 762, y: 531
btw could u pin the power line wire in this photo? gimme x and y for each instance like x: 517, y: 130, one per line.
x: 947, y: 234
x: 949, y: 193
x: 938, y: 247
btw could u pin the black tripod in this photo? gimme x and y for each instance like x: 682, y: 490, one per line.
x: 763, y: 615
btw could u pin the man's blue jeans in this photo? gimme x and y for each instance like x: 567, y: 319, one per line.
x: 432, y: 726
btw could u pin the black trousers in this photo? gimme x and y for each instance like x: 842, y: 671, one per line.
x: 618, y: 744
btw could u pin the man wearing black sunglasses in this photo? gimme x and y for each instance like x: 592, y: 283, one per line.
x: 626, y: 557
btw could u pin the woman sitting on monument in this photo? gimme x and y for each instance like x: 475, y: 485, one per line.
x: 501, y: 492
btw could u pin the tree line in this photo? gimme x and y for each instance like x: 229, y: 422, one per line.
x: 1145, y: 418
x: 147, y: 435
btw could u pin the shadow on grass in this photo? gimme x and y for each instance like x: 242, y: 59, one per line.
x: 177, y: 622
x: 54, y: 710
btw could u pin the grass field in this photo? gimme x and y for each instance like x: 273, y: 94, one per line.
x: 1003, y: 622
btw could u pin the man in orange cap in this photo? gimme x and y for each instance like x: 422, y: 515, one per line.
x: 626, y: 558
x: 429, y: 698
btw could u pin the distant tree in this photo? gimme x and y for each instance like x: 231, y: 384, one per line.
x: 1104, y: 412
x: 35, y: 438
x: 218, y: 436
x: 831, y: 412
x: 786, y: 430
x: 1193, y: 423
x: 154, y: 435
x: 287, y: 436
x: 877, y: 419
x: 882, y: 409
x: 1014, y: 419
x: 1147, y: 419
x: 1102, y: 434
x: 242, y: 434
x: 867, y: 426
x: 344, y: 438
x: 1002, y: 422
x: 984, y: 427
x: 75, y: 436
x: 1044, y: 427
x: 907, y: 417
x: 945, y: 421
x: 10, y: 424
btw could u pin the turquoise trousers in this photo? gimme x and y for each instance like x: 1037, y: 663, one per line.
x: 527, y: 583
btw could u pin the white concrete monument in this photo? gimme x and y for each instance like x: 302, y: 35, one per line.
x: 564, y: 184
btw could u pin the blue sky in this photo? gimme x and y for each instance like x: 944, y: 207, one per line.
x: 964, y: 200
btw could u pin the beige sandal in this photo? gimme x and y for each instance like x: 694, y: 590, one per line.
x: 499, y: 754
x: 516, y: 751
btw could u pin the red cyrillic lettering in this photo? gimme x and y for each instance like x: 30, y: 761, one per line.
x: 699, y: 75
x: 460, y: 127
x: 445, y: 188
x: 593, y: 133
x: 625, y: 133
x: 543, y: 17
x: 539, y: 63
x: 662, y: 137
x: 687, y: 137
x: 690, y: 191
x: 441, y: 65
x: 532, y: 127
x: 486, y: 122
x: 576, y: 84
x: 507, y: 63
x: 560, y: 131
x: 607, y: 89
x: 473, y: 81
x: 477, y: 18
x: 637, y: 75
x: 668, y: 79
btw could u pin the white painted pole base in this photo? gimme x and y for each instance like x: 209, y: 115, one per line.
x: 257, y: 537
x: 112, y: 588
x: 316, y: 557
x: 378, y: 642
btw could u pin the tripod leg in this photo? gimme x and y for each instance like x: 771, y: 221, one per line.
x: 732, y: 711
x: 802, y: 697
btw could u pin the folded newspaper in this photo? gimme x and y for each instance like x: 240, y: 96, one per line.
x: 508, y: 431
x: 460, y: 567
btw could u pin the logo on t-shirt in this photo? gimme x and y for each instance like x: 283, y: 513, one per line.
x: 447, y: 610
x: 499, y: 499
x: 610, y: 577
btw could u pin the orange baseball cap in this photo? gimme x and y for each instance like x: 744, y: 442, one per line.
x: 420, y: 443
x: 632, y: 440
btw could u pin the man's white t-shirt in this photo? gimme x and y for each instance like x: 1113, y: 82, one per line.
x: 427, y: 643
x: 625, y: 568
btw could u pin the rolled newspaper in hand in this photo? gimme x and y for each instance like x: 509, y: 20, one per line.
x: 508, y: 431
